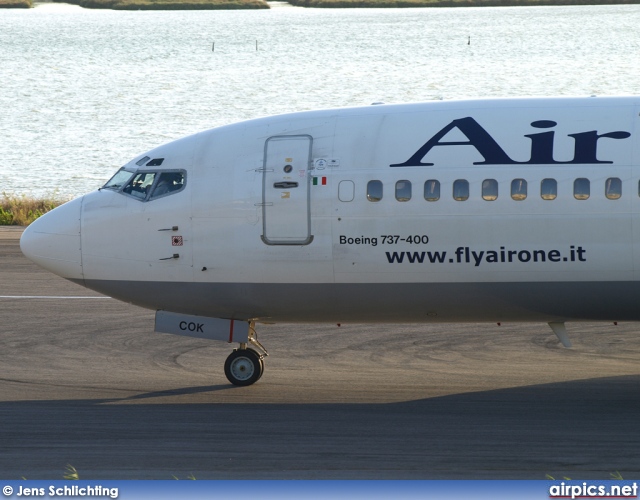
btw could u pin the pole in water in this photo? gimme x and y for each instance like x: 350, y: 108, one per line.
x: 256, y: 44
x: 213, y: 47
x: 469, y: 41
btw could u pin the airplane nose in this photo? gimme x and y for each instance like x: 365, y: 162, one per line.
x: 53, y: 241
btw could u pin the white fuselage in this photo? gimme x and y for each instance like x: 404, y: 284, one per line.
x: 487, y: 210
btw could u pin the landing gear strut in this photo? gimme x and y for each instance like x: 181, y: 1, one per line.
x: 245, y: 365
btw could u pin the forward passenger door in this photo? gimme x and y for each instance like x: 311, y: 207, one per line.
x: 285, y: 190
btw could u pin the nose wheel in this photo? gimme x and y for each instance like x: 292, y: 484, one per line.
x: 245, y: 365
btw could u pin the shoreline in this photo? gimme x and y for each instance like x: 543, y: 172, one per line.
x: 168, y: 4
x: 262, y: 4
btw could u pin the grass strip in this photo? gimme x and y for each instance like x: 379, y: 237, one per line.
x: 15, y: 4
x: 22, y: 210
x: 170, y: 4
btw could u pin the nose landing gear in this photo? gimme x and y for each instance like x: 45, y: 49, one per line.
x: 245, y: 365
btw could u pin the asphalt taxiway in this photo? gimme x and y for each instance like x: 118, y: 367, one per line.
x: 85, y: 381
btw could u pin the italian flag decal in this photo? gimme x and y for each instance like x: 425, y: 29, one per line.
x: 319, y: 181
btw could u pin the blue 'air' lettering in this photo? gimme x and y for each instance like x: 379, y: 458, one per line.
x: 585, y: 149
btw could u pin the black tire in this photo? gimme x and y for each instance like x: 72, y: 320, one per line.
x: 261, y: 358
x: 243, y: 367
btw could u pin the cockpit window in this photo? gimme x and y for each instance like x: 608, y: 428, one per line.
x: 169, y: 182
x: 147, y: 185
x: 140, y: 185
x: 118, y: 180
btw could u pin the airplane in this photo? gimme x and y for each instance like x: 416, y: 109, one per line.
x: 485, y: 210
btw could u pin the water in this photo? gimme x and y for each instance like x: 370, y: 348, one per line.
x: 83, y: 91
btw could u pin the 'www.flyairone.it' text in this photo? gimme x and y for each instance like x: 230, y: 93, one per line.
x: 465, y: 255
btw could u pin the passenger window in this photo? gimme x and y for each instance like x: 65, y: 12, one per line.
x: 346, y: 191
x: 581, y: 189
x: 432, y: 190
x: 518, y: 189
x: 140, y: 185
x: 374, y: 190
x: 169, y: 182
x: 613, y: 188
x: 548, y: 189
x: 490, y: 189
x: 461, y: 190
x: 403, y: 190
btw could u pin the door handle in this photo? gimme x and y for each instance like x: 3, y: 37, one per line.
x: 174, y: 256
x: 285, y: 185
